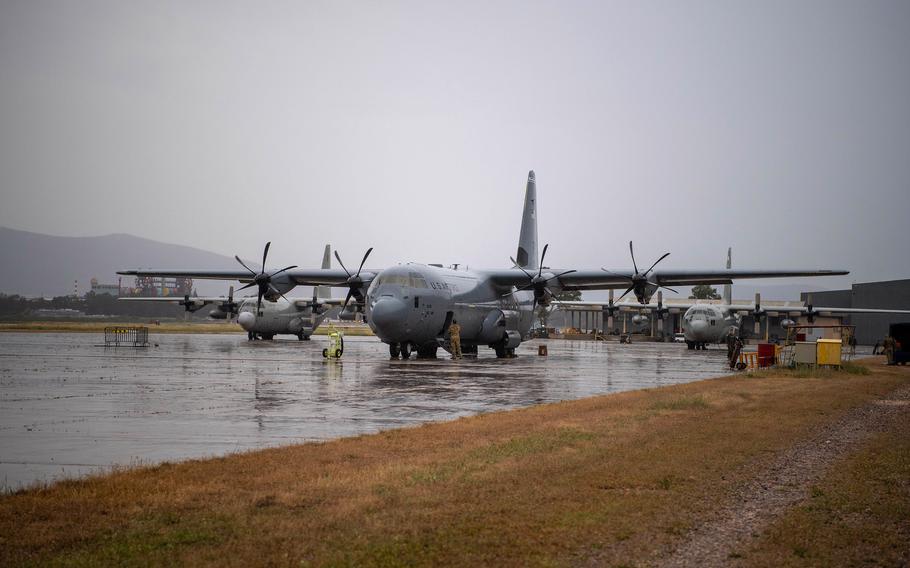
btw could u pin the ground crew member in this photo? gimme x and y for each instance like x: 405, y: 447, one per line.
x: 731, y: 342
x: 889, y: 345
x: 455, y: 339
x: 737, y: 348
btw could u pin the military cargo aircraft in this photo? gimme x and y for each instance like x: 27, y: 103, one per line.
x: 705, y: 323
x: 276, y: 316
x: 410, y: 306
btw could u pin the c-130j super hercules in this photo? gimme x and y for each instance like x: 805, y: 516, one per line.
x: 410, y: 306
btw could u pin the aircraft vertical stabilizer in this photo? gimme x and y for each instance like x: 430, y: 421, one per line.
x: 527, y: 241
x: 728, y: 289
x: 325, y: 291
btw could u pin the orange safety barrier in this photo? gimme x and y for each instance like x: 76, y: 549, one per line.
x: 749, y: 359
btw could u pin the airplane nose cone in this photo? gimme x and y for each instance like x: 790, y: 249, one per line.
x: 246, y: 320
x: 697, y: 329
x: 388, y: 315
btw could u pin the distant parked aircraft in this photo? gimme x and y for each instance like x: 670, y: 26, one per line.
x: 705, y: 323
x: 264, y: 320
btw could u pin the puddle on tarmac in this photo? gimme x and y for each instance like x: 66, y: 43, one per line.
x: 70, y: 407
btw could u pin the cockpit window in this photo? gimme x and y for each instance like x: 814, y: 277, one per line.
x: 417, y: 280
x: 411, y: 279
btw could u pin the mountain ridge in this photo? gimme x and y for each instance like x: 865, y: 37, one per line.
x: 38, y: 264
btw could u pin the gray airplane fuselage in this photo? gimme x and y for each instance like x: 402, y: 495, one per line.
x: 708, y: 323
x: 279, y: 317
x: 414, y: 304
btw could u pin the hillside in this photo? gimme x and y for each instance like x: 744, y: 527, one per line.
x: 35, y: 264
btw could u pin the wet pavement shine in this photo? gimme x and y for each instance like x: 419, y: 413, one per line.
x: 69, y: 406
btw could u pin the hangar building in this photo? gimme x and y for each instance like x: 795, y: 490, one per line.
x: 891, y: 294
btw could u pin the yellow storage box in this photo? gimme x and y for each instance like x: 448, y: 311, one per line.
x: 829, y: 352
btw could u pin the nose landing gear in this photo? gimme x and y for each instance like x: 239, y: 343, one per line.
x: 402, y: 350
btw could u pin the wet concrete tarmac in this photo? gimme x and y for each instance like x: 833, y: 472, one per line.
x: 69, y: 406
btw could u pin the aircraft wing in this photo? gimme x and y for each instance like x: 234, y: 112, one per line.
x: 819, y: 310
x: 311, y: 277
x: 201, y: 301
x: 307, y: 302
x: 675, y: 307
x: 230, y: 274
x: 620, y: 279
x: 621, y: 306
x: 601, y: 279
x: 326, y: 276
x: 192, y: 304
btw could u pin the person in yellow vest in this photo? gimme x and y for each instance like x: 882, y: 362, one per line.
x: 455, y: 339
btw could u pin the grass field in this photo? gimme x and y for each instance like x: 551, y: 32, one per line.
x: 613, y: 479
x: 163, y: 327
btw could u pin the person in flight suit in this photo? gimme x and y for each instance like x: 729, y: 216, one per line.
x: 731, y: 342
x: 734, y: 347
x: 455, y: 339
x: 889, y: 348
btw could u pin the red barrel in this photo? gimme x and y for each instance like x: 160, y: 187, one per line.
x: 765, y: 354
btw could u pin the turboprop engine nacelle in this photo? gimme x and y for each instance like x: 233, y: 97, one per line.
x: 281, y: 284
x: 492, y: 328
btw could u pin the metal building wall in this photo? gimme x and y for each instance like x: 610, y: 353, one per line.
x: 830, y: 298
x: 894, y: 294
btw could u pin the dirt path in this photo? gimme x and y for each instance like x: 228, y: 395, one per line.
x: 784, y: 483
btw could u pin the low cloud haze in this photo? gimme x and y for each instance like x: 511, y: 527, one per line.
x: 781, y: 129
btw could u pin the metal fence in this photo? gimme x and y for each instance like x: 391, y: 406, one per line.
x: 126, y: 336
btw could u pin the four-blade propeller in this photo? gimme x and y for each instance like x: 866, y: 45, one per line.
x: 354, y: 282
x: 263, y: 280
x: 639, y: 282
x: 538, y: 282
x: 230, y: 306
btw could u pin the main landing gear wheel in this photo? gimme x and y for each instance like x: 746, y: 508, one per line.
x: 302, y: 337
x: 427, y: 352
x: 405, y: 350
x: 503, y: 352
x: 690, y: 345
x: 394, y: 350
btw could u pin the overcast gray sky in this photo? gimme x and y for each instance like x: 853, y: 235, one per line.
x: 780, y: 128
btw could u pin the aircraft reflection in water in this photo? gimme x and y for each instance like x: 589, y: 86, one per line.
x: 410, y: 306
